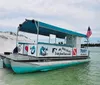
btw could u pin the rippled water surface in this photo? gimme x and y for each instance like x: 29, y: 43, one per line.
x: 84, y: 74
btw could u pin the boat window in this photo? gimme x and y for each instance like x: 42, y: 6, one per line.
x: 84, y: 42
x: 44, y: 39
x: 52, y: 38
x: 26, y: 37
x: 60, y: 41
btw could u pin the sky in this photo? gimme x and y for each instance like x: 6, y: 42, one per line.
x: 74, y: 15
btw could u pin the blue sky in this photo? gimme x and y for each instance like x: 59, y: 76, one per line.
x: 74, y: 15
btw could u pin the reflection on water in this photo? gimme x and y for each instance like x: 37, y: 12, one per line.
x: 83, y: 74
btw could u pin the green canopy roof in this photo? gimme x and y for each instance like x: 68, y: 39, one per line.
x: 30, y: 26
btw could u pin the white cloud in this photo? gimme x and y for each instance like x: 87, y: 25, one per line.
x: 72, y: 14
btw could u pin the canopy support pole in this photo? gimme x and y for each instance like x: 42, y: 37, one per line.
x: 17, y: 36
x: 55, y: 39
x: 37, y: 26
x: 49, y: 38
x: 88, y: 46
x: 65, y: 40
x: 72, y: 40
x: 87, y: 43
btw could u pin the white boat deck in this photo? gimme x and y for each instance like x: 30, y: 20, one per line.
x: 17, y: 57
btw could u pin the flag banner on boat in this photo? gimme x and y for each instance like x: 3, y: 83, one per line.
x: 45, y: 50
x: 32, y: 50
x: 20, y: 48
x: 83, y: 51
x: 27, y: 49
x: 51, y: 50
x: 74, y: 51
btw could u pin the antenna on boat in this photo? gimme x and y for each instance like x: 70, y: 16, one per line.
x: 15, y: 50
x: 17, y: 34
x: 87, y: 42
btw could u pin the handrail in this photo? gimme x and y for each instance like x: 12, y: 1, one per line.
x: 46, y: 44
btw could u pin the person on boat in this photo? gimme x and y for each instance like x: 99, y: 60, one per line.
x: 15, y: 50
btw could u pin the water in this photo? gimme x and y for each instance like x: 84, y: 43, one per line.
x: 84, y: 74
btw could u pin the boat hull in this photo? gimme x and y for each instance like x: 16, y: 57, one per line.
x: 22, y: 67
x: 7, y: 62
x: 1, y: 63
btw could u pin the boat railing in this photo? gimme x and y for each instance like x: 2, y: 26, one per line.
x: 26, y: 43
x: 44, y: 49
x: 50, y: 48
x: 66, y: 45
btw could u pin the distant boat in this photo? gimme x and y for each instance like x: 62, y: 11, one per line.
x: 41, y: 56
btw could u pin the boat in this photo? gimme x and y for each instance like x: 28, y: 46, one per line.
x: 42, y: 56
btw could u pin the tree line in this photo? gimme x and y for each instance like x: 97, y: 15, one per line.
x: 91, y: 45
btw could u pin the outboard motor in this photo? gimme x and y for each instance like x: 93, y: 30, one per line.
x: 7, y: 53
